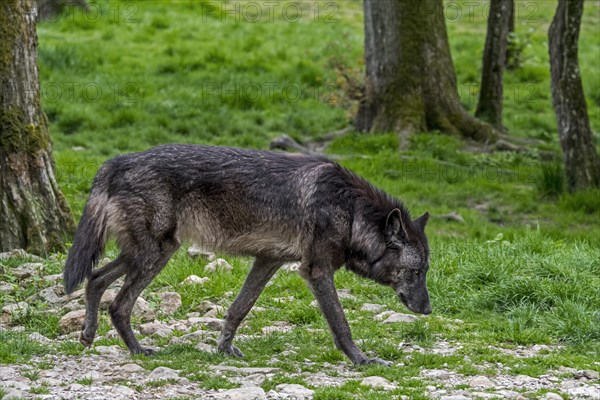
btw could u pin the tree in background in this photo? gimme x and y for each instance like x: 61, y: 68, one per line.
x: 582, y: 163
x: 410, y: 79
x: 33, y: 212
x: 511, y: 33
x: 489, y: 107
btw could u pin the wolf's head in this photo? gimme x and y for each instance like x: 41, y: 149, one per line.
x: 406, y: 260
x: 403, y: 262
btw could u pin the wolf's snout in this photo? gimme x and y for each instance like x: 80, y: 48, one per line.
x: 419, y: 306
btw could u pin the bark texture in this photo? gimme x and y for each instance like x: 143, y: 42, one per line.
x: 410, y: 79
x: 33, y: 212
x: 489, y: 107
x: 511, y: 31
x: 582, y: 164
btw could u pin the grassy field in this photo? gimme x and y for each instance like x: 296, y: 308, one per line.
x: 522, y: 269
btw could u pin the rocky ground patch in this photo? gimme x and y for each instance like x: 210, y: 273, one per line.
x: 60, y: 368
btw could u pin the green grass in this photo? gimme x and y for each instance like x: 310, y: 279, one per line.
x: 523, y: 269
x: 16, y: 348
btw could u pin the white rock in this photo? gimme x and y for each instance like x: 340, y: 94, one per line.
x: 16, y: 253
x: 245, y: 393
x: 108, y: 297
x: 169, y: 302
x: 52, y: 278
x: 156, y: 328
x: 455, y: 397
x: 484, y: 395
x: 551, y: 396
x: 6, y: 288
x: 195, y: 280
x: 197, y: 251
x: 587, y: 374
x: 378, y: 382
x: 37, y: 337
x: 279, y: 327
x: 383, y: 315
x: 14, y: 394
x: 142, y: 310
x: 214, y: 324
x: 49, y: 296
x: 75, y: 295
x: 399, y: 317
x: 207, y: 348
x: 163, y: 373
x: 18, y: 384
x: 376, y: 308
x: 216, y: 311
x: 19, y: 308
x: 438, y: 374
x: 345, y: 294
x: 72, y: 321
x: 26, y: 270
x: 7, y: 372
x: 219, y: 263
x: 113, y: 350
x: 124, y: 391
x: 481, y: 382
x: 291, y: 266
x: 74, y: 305
x: 510, y: 394
x: 584, y: 392
x: 294, y: 391
x: 132, y: 368
x: 244, y: 370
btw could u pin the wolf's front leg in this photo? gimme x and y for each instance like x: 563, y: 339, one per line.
x: 261, y: 272
x: 323, y: 288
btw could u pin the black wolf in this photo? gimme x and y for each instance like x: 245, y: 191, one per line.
x: 277, y: 207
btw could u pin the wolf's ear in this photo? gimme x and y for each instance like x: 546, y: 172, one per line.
x: 394, y: 226
x: 422, y: 220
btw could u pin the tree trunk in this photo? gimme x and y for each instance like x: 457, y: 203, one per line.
x: 33, y: 212
x: 489, y: 107
x: 410, y: 79
x: 511, y: 31
x: 582, y: 163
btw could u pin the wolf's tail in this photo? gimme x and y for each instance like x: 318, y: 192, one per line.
x: 89, y: 242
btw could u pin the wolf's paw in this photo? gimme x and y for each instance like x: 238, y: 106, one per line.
x: 231, y: 350
x: 87, y: 335
x: 146, y: 351
x: 379, y: 361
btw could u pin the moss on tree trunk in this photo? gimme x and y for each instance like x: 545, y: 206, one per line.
x: 33, y: 212
x: 410, y: 78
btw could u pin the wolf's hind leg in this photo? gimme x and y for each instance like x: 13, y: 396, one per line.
x: 145, y: 266
x: 260, y: 274
x: 101, y: 279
